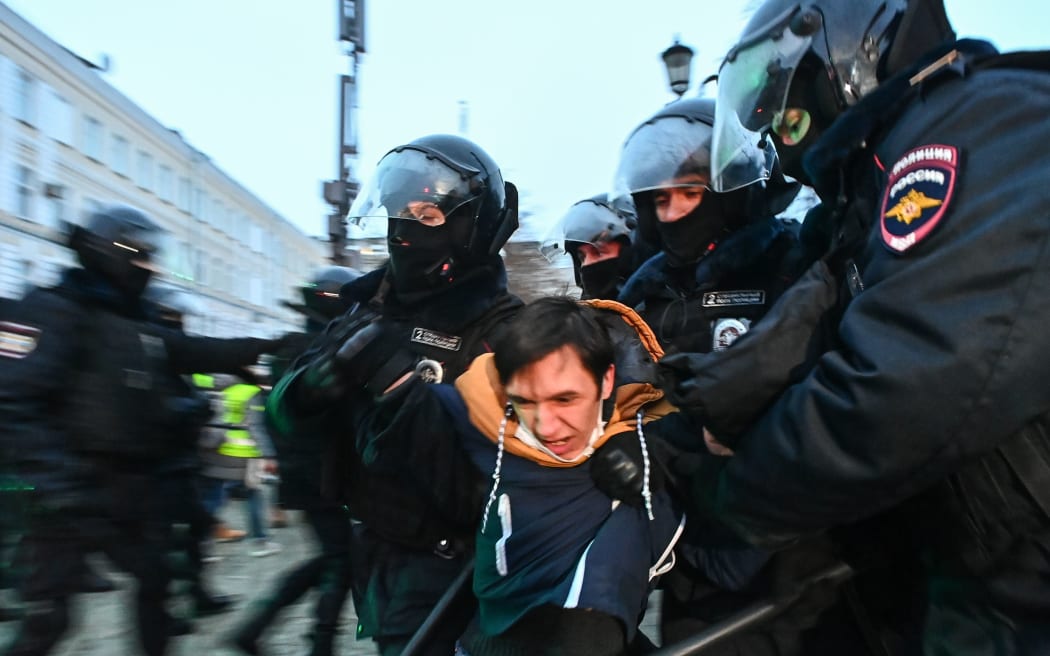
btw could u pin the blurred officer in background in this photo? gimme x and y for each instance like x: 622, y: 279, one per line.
x: 301, y: 459
x: 446, y: 211
x: 919, y: 428
x: 90, y: 414
x: 177, y: 483
x: 598, y: 236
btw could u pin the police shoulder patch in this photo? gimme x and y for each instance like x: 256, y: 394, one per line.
x: 17, y: 340
x: 917, y: 195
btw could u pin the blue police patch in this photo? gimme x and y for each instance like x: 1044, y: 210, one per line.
x: 917, y: 195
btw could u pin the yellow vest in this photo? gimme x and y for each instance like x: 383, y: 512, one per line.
x: 236, y: 400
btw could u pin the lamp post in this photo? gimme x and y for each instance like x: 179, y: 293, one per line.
x: 678, y: 59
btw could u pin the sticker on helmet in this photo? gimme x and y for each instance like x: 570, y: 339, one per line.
x: 727, y: 331
x: 17, y: 340
x: 917, y: 195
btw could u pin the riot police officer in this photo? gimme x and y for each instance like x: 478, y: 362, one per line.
x: 600, y: 237
x: 88, y: 417
x: 920, y: 427
x: 301, y: 458
x: 724, y: 258
x: 446, y: 211
x: 177, y: 472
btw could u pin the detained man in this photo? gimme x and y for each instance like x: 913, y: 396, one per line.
x: 559, y: 566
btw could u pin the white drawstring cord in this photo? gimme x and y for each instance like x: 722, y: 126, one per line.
x: 646, y: 492
x: 499, y: 466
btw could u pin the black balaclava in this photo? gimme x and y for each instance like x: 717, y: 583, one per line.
x: 423, y: 259
x: 601, y: 279
x: 688, y: 239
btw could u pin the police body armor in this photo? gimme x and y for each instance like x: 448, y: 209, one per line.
x: 119, y: 403
x: 708, y: 306
x: 383, y: 503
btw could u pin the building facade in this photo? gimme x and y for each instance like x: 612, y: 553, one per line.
x: 71, y: 143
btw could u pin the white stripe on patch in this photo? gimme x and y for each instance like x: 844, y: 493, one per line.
x: 17, y: 340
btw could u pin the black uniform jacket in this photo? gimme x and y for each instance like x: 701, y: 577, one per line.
x: 709, y: 305
x: 936, y: 378
x: 82, y: 373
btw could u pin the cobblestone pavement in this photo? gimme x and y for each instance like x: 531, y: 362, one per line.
x: 105, y: 623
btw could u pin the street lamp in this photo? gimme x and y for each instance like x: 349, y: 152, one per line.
x: 678, y: 59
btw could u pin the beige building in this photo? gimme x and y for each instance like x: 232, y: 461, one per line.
x: 70, y: 143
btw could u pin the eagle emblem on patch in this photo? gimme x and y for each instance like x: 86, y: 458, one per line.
x: 17, y: 340
x: 726, y: 331
x: 917, y: 195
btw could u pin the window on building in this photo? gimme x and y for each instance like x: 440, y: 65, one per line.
x: 218, y: 214
x: 23, y: 191
x: 200, y: 198
x: 202, y: 269
x: 93, y: 138
x: 56, y: 212
x: 164, y: 179
x: 183, y: 200
x: 25, y: 105
x: 118, y: 159
x: 144, y: 170
x: 58, y: 118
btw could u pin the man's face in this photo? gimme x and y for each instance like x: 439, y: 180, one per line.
x: 589, y: 254
x: 677, y: 200
x: 559, y: 401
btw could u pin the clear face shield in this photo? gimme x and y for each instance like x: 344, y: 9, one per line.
x: 414, y: 186
x: 586, y: 222
x: 671, y: 151
x: 753, y: 86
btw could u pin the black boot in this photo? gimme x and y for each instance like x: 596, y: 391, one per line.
x: 206, y: 603
x: 323, y: 641
x: 91, y: 582
x: 246, y: 636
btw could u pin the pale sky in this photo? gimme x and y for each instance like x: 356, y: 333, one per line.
x: 553, y: 87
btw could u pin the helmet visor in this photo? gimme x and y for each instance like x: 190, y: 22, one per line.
x: 586, y: 222
x: 409, y: 184
x: 752, y: 91
x: 670, y: 151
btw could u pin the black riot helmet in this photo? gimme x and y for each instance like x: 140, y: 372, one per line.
x: 798, y: 65
x: 597, y: 225
x: 120, y: 244
x: 447, y: 209
x: 672, y: 151
x: 321, y: 293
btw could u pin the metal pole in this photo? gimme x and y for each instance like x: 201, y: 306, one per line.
x: 752, y: 616
x: 426, y: 630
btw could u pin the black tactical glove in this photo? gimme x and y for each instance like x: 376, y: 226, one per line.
x: 371, y: 358
x: 730, y: 389
x: 676, y: 453
x: 618, y: 467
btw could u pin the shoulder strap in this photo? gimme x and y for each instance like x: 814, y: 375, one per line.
x: 1033, y: 60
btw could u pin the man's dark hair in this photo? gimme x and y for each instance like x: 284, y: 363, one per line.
x: 546, y: 325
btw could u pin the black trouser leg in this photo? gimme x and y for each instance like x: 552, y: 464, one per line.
x: 136, y: 550
x: 43, y: 625
x: 333, y: 532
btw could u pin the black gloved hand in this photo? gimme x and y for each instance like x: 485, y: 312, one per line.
x: 618, y: 468
x: 371, y: 358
